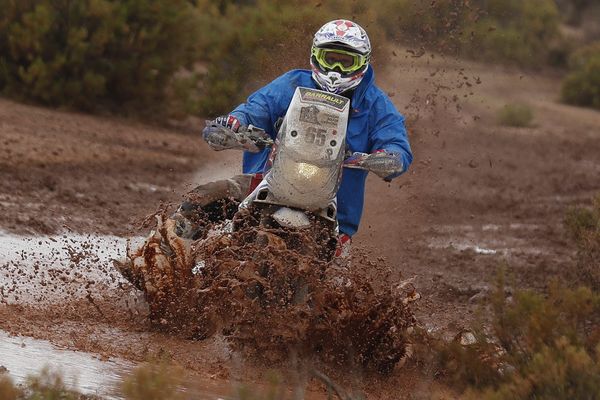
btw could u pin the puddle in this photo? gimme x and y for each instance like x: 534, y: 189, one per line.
x: 487, y: 239
x: 81, y: 371
x: 148, y: 187
x: 462, y: 246
x: 86, y: 373
x: 59, y: 267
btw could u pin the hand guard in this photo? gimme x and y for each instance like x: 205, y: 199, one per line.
x: 382, y: 163
x: 227, y: 133
x: 220, y: 133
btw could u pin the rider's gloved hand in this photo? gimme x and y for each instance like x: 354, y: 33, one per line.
x: 229, y: 121
x: 385, y: 164
x: 220, y: 132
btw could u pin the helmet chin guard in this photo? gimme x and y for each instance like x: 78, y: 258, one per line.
x: 335, y: 82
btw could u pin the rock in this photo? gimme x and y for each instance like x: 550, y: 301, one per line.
x: 467, y: 338
x: 481, y: 295
x: 3, y: 370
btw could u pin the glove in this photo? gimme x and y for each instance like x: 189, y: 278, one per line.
x: 220, y: 133
x: 229, y: 121
x: 384, y: 164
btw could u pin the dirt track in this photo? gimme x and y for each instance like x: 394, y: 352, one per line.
x: 478, y: 195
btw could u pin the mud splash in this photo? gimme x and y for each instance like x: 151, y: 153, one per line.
x: 53, y: 269
x: 271, y: 300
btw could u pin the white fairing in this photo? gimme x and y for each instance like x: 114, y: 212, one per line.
x: 310, y: 147
x: 291, y: 218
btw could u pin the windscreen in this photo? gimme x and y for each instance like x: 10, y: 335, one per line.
x: 310, y: 150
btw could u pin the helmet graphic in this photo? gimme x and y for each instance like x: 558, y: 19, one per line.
x: 340, y: 55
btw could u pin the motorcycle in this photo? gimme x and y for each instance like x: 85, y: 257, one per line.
x: 293, y: 209
x: 304, y: 169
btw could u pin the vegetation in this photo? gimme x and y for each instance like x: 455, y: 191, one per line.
x: 584, y: 227
x: 172, y: 58
x: 505, y: 31
x: 542, y: 345
x: 153, y: 381
x: 515, y: 114
x: 48, y: 385
x: 93, y: 54
x: 248, y: 45
x: 582, y: 85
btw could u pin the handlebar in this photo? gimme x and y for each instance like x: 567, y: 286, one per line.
x: 256, y: 139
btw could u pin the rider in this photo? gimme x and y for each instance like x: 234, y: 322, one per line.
x: 339, y: 62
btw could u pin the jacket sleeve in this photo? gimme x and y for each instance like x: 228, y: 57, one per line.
x: 388, y: 131
x: 266, y: 105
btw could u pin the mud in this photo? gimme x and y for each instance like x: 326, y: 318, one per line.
x: 271, y: 294
x: 471, y: 182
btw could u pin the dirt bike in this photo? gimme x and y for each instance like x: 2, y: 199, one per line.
x: 293, y: 211
x: 304, y: 169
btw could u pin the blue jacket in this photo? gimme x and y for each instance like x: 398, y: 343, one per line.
x: 374, y: 124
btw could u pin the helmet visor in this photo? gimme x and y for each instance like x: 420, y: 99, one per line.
x: 346, y: 61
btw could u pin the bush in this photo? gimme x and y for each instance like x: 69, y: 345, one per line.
x: 154, y: 381
x: 94, y: 54
x: 516, y: 115
x: 507, y: 31
x: 249, y: 45
x: 584, y: 226
x: 513, y: 31
x: 581, y: 87
x: 47, y: 385
x: 543, y: 347
x: 179, y: 57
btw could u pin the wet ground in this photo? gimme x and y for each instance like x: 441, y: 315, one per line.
x: 478, y: 197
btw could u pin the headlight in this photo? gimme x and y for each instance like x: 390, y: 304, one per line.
x: 307, y: 171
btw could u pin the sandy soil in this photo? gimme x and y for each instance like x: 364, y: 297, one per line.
x: 478, y: 196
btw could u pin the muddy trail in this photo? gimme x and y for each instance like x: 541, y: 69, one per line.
x: 478, y: 196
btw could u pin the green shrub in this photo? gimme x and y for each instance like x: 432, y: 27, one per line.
x: 93, y: 54
x: 546, y: 346
x: 582, y: 85
x: 516, y: 115
x: 553, y: 343
x: 513, y: 31
x: 153, y: 381
x: 506, y: 31
x: 180, y: 57
x: 47, y: 385
x: 558, y: 372
x: 252, y: 44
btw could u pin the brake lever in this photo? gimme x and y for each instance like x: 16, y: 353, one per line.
x: 253, y: 139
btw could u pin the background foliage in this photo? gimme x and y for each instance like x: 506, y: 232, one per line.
x: 581, y: 87
x: 92, y: 54
x: 172, y: 58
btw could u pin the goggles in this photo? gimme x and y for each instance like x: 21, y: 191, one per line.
x: 346, y: 61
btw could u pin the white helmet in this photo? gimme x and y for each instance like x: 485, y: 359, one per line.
x: 340, y: 55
